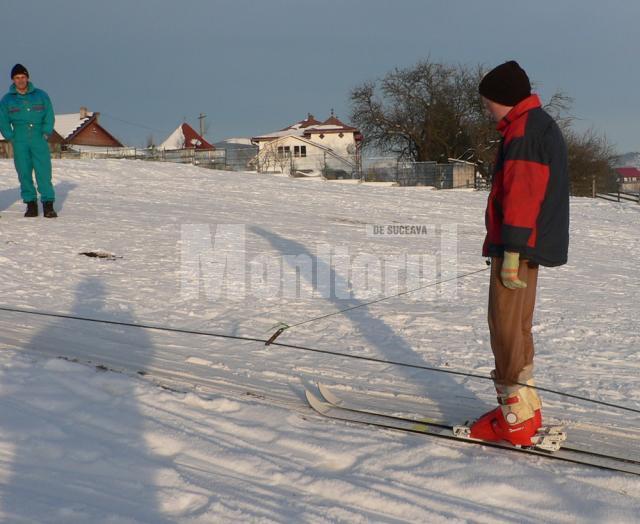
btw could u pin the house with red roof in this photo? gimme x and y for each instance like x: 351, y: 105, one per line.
x: 83, y: 132
x: 185, y: 137
x: 629, y: 178
x: 310, y: 148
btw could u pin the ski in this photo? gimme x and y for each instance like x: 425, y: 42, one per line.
x: 445, y: 431
x: 594, y: 449
x: 548, y: 438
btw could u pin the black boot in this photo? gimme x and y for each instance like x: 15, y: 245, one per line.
x: 32, y: 209
x: 48, y: 211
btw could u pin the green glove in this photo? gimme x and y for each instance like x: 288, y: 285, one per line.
x: 509, y: 271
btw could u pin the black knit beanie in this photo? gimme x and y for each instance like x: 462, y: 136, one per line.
x: 507, y: 84
x: 19, y: 69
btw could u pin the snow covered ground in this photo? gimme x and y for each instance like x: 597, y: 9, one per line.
x: 217, y: 430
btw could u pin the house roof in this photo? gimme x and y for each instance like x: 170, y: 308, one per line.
x: 307, y: 122
x: 67, y: 124
x: 628, y: 172
x: 185, y: 137
x: 334, y: 122
x: 310, y: 126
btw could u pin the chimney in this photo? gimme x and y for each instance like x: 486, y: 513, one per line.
x: 83, y: 112
x: 309, y: 116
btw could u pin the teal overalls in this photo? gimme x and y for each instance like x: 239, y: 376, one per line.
x: 27, y: 121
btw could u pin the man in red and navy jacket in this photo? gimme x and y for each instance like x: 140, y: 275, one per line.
x: 527, y: 220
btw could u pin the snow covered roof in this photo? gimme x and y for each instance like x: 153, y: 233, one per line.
x: 238, y: 140
x: 290, y: 131
x: 308, y: 126
x: 185, y: 137
x: 66, y: 125
x: 324, y: 127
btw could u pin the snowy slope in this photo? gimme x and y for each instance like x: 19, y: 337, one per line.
x: 235, y: 442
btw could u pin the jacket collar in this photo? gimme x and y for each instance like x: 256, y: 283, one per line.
x: 14, y: 91
x: 526, y: 105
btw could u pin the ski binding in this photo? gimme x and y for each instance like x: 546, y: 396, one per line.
x: 547, y: 438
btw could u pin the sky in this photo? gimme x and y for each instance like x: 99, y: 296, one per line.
x: 257, y: 66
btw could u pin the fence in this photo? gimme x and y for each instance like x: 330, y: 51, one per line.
x: 298, y: 162
x: 441, y: 176
x: 215, y: 159
x: 330, y: 166
x: 619, y: 196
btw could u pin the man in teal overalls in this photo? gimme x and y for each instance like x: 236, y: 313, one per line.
x: 26, y: 120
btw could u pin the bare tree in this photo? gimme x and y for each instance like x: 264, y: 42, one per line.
x: 273, y: 156
x: 267, y: 157
x: 591, y: 159
x: 559, y: 107
x: 432, y: 111
x: 420, y: 113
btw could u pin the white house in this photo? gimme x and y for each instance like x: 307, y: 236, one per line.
x: 310, y: 147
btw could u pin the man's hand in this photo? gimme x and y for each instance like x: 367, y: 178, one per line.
x: 509, y: 271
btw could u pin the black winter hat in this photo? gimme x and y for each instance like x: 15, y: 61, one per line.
x: 19, y: 69
x: 507, y: 84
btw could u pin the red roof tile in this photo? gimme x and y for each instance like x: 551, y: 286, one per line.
x: 193, y: 139
x: 628, y: 172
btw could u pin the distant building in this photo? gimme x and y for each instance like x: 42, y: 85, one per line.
x: 239, y: 153
x: 629, y: 178
x: 83, y: 132
x: 310, y: 147
x: 185, y: 137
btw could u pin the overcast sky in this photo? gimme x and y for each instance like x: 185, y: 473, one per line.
x: 257, y: 66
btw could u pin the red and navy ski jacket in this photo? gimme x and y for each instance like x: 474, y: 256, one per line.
x: 528, y: 207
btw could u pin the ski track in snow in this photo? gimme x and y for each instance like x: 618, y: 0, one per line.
x: 82, y: 445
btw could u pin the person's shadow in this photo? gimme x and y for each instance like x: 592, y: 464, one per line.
x: 67, y: 450
x: 452, y: 398
x: 8, y: 197
x: 62, y: 192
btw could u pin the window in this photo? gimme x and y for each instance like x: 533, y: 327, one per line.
x: 299, y: 151
x: 303, y: 151
x: 284, y: 151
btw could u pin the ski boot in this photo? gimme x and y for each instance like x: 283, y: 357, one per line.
x: 515, y: 420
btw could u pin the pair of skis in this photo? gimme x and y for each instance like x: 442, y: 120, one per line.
x: 551, y: 442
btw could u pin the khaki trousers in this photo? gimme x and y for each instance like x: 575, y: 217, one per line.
x: 510, y: 321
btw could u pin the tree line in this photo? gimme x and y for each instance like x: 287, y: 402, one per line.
x: 432, y: 112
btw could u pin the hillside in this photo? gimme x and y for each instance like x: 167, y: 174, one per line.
x: 188, y: 428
